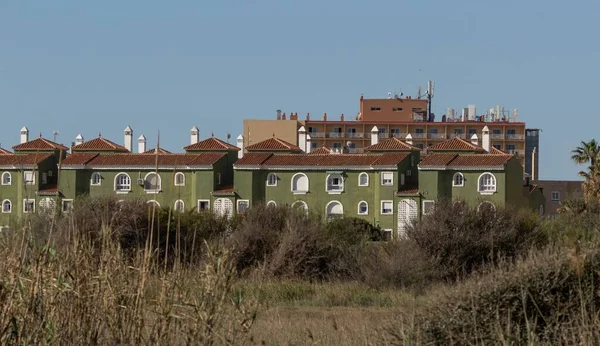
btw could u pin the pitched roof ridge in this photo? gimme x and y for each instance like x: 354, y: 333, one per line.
x: 51, y: 144
x: 211, y: 140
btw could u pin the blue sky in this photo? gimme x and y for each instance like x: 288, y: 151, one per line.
x: 90, y: 67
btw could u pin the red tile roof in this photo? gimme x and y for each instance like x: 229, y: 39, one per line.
x: 455, y: 161
x: 321, y: 160
x: 160, y: 151
x: 496, y: 151
x: 274, y: 144
x: 4, y: 152
x: 392, y: 144
x: 100, y: 144
x: 23, y: 160
x: 437, y: 160
x: 321, y: 150
x: 142, y: 160
x: 455, y: 144
x: 224, y: 190
x: 211, y: 144
x: 39, y: 144
x: 50, y: 190
x: 408, y: 189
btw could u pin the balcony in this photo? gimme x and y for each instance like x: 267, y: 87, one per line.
x: 516, y: 152
x: 355, y: 150
x: 355, y: 135
x: 399, y: 135
x: 459, y: 135
x: 317, y: 134
x: 514, y: 136
x: 437, y: 136
x: 496, y: 136
x: 335, y: 135
x: 383, y: 135
x: 418, y: 135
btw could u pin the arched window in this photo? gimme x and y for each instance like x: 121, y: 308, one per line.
x: 122, y: 182
x: 300, y: 205
x: 487, y: 183
x: 6, y: 206
x: 541, y: 210
x: 271, y: 204
x: 223, y: 207
x: 96, y: 179
x: 363, y: 179
x: 179, y: 179
x: 300, y: 183
x: 458, y: 179
x: 6, y: 178
x: 335, y: 183
x: 179, y: 206
x: 363, y: 208
x: 152, y: 183
x: 334, y: 209
x: 153, y: 203
x: 486, y: 207
x: 271, y: 179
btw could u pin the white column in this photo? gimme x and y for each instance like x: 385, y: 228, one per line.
x: 408, y: 139
x: 194, y: 135
x: 128, y: 142
x: 374, y: 135
x: 240, y: 144
x: 485, y: 139
x: 308, y: 143
x: 142, y: 144
x: 24, y: 135
x: 79, y: 139
x: 474, y: 139
x: 302, y: 138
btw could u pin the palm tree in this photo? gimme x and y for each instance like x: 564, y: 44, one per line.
x: 589, y: 152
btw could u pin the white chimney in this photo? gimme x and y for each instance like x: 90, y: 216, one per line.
x: 474, y: 139
x: 302, y: 138
x: 24, y: 135
x: 408, y: 139
x: 374, y: 135
x: 308, y: 143
x: 79, y: 139
x: 240, y: 144
x: 141, y: 144
x: 194, y: 135
x: 128, y: 138
x: 485, y: 139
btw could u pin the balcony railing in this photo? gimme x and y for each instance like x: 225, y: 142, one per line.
x: 355, y: 135
x: 383, y: 135
x: 437, y: 136
x: 399, y: 135
x: 515, y: 152
x: 418, y: 135
x: 355, y: 150
x: 497, y: 136
x: 459, y: 135
x: 335, y: 134
x: 515, y: 136
x: 317, y: 134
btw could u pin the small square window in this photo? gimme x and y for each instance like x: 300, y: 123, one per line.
x: 555, y: 196
x: 387, y: 207
x: 218, y: 178
x: 67, y: 205
x: 28, y: 206
x: 29, y: 178
x: 203, y: 204
x: 428, y: 207
x: 242, y: 205
x: 387, y: 178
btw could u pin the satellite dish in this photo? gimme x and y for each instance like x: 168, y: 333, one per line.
x: 389, y: 95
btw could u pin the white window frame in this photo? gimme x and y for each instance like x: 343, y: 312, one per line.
x: 402, y: 179
x: 272, y: 176
x: 32, y: 181
x: 391, y: 212
x: 424, y: 208
x: 7, y: 174
x: 47, y: 204
x: 207, y: 201
x: 358, y: 208
x: 462, y: 179
x: 25, y: 201
x: 341, y: 185
x: 327, y: 208
x: 363, y: 174
x: 302, y: 204
x: 271, y: 204
x: 383, y: 180
x: 44, y: 178
x: 179, y: 201
x: 62, y: 205
x: 487, y: 192
x: 99, y: 176
x: 237, y: 205
x: 9, y: 204
x: 179, y: 174
x: 557, y: 196
x: 300, y: 192
x: 153, y: 191
x: 122, y: 191
x: 155, y: 202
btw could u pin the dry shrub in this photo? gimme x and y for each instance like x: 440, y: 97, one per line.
x: 550, y: 297
x: 577, y: 222
x: 461, y: 238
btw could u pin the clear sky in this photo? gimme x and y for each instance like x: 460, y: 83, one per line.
x: 88, y: 67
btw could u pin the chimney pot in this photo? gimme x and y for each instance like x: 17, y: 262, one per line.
x: 324, y: 116
x: 307, y: 116
x: 283, y: 116
x: 342, y: 117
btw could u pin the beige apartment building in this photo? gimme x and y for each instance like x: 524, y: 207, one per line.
x: 557, y: 191
x: 398, y: 117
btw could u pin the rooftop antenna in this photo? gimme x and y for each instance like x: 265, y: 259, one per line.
x: 54, y: 135
x: 228, y: 136
x: 429, y: 94
x: 399, y: 95
x: 419, y: 93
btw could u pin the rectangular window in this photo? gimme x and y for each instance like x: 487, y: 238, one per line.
x: 313, y: 145
x: 49, y: 173
x: 67, y: 205
x: 497, y: 146
x: 395, y: 109
x: 29, y: 206
x: 510, y: 147
x: 44, y: 178
x: 387, y: 178
x: 203, y: 204
x: 428, y: 207
x: 218, y: 178
x: 472, y: 132
x: 402, y: 179
x: 376, y: 109
x: 242, y: 205
x: 386, y: 207
x: 29, y: 178
x: 555, y: 196
x: 419, y: 131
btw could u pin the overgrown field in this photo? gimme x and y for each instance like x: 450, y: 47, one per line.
x: 124, y: 273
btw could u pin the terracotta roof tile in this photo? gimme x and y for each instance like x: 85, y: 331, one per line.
x: 160, y: 151
x: 144, y: 160
x: 321, y: 150
x: 481, y: 160
x: 496, y: 151
x: 324, y: 160
x: 78, y: 159
x: 4, y: 152
x: 455, y: 144
x: 39, y: 144
x: 253, y: 159
x: 50, y: 190
x: 391, y: 144
x: 224, y: 190
x: 437, y: 160
x: 274, y: 144
x: 408, y: 189
x: 211, y: 144
x: 100, y: 144
x: 23, y: 160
